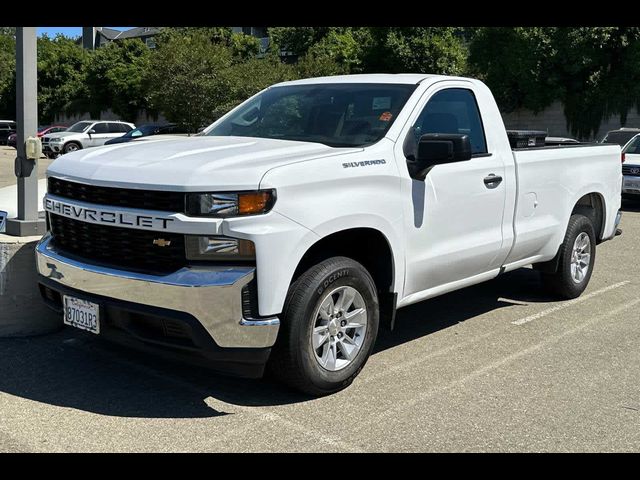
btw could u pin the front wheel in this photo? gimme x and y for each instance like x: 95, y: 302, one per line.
x: 71, y: 147
x: 577, y: 258
x: 328, y: 327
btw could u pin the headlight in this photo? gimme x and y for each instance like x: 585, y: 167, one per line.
x: 218, y: 248
x: 55, y: 139
x: 230, y: 204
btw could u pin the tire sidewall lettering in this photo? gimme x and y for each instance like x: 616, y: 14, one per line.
x: 331, y: 279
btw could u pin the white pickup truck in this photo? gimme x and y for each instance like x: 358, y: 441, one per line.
x: 302, y: 219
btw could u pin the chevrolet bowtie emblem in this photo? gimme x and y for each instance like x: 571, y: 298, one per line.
x: 161, y: 242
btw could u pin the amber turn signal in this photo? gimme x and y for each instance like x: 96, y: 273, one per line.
x: 254, y: 202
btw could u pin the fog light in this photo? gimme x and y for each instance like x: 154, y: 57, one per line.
x: 218, y: 248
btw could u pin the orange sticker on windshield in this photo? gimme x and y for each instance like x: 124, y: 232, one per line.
x: 386, y: 116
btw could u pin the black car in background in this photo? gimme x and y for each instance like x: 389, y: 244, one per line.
x: 145, y: 131
x: 7, y: 127
x: 620, y: 136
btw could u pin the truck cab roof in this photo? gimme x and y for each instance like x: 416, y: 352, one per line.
x: 397, y: 78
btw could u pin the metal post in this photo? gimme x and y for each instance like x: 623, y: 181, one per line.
x: 89, y: 38
x: 27, y: 222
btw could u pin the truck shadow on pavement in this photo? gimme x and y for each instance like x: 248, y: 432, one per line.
x: 72, y: 369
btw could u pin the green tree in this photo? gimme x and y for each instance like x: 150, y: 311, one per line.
x: 318, y: 65
x: 116, y: 78
x: 61, y: 77
x: 517, y: 63
x: 342, y: 47
x: 593, y: 71
x: 242, y: 46
x: 242, y: 80
x: 7, y: 75
x: 296, y: 40
x: 438, y: 50
x: 187, y: 80
x: 599, y: 68
x: 10, y: 31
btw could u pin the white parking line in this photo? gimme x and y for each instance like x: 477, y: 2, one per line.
x: 564, y: 305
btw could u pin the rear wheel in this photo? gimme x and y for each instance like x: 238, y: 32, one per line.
x: 329, y: 327
x: 577, y: 258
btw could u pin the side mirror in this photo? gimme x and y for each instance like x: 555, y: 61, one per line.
x: 438, y: 148
x: 91, y: 132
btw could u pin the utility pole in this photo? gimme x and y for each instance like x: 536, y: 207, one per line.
x: 27, y: 222
x: 89, y: 38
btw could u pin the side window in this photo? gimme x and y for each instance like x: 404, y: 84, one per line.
x: 113, y: 127
x: 100, y: 128
x: 4, y: 126
x: 124, y: 128
x: 634, y: 146
x: 453, y: 110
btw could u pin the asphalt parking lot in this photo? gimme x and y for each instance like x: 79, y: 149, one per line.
x: 495, y: 367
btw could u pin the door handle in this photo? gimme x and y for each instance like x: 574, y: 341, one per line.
x: 492, y: 180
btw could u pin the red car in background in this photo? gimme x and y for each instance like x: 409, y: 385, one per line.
x: 11, y: 140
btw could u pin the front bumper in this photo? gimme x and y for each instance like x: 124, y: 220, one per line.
x: 212, y: 296
x: 631, y: 184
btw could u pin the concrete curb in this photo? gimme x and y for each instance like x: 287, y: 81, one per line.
x: 22, y: 311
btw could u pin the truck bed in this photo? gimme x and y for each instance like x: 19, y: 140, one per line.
x: 549, y: 178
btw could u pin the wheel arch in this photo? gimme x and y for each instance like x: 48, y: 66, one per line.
x: 368, y: 246
x: 592, y: 205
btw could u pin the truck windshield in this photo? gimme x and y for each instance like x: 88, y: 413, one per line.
x: 338, y: 115
x: 79, y: 127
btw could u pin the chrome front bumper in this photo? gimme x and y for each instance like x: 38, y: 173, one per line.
x: 211, y: 295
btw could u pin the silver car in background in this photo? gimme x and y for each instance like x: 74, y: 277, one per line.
x: 84, y: 134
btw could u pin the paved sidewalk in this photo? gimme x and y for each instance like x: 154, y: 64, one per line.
x: 7, y: 157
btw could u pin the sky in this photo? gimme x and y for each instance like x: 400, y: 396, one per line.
x: 67, y: 31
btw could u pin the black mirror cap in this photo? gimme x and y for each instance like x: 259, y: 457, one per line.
x: 436, y: 148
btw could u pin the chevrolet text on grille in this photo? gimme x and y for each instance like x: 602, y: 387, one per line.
x: 107, y: 217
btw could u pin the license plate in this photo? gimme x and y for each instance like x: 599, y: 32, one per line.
x: 82, y: 314
x: 631, y: 184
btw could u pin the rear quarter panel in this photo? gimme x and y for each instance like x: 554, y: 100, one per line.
x: 550, y: 183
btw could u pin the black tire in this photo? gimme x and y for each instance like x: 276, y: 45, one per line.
x: 71, y: 147
x: 561, y: 283
x: 293, y: 360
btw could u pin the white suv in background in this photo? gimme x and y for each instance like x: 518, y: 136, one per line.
x: 631, y: 168
x: 84, y: 134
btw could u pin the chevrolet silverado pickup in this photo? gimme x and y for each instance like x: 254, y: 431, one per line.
x: 300, y: 221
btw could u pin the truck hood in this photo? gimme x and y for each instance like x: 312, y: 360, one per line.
x: 188, y: 163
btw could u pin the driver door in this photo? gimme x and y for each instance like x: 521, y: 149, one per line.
x: 454, y: 217
x: 100, y: 135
